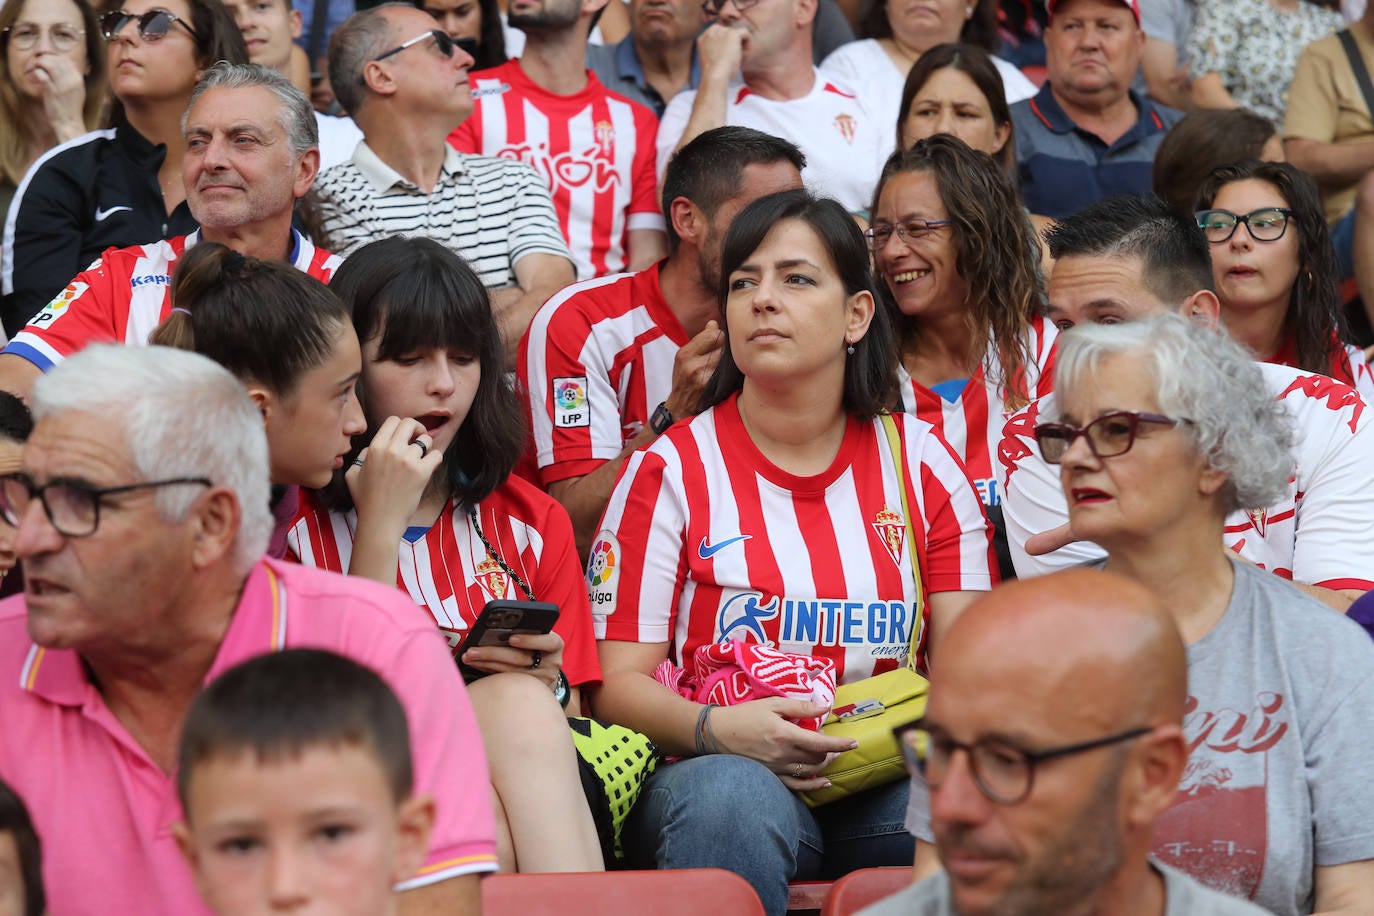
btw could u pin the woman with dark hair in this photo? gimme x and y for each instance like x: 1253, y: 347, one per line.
x: 475, y: 25
x: 122, y: 186
x: 21, y: 854
x: 1204, y: 141
x: 1276, y: 275
x: 777, y: 516
x: 52, y: 82
x: 957, y: 271
x: 290, y: 341
x: 430, y: 506
x: 955, y: 89
x: 899, y: 33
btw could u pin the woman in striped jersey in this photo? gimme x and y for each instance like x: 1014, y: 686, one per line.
x: 779, y: 516
x: 430, y: 506
x: 956, y: 266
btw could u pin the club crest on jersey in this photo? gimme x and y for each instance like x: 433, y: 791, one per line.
x: 1260, y: 519
x: 603, y: 568
x: 492, y: 578
x: 847, y: 127
x: 570, y: 408
x: 605, y: 137
x: 891, y: 529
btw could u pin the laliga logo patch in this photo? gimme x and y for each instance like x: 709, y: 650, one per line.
x: 891, y: 529
x: 55, y: 308
x: 492, y: 578
x: 570, y: 402
x: 847, y: 127
x: 603, y: 566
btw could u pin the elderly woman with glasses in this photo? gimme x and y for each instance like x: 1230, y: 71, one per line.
x: 123, y: 186
x: 1276, y: 276
x: 52, y: 82
x: 957, y: 268
x: 1166, y: 426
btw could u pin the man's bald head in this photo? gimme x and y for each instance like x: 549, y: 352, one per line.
x: 1066, y: 695
x: 1083, y: 633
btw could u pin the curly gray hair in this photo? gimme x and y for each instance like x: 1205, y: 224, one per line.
x: 1202, y: 374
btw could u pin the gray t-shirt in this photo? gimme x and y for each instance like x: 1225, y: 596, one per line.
x: 1280, y: 722
x: 1182, y: 897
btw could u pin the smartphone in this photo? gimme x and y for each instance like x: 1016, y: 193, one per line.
x: 499, y: 621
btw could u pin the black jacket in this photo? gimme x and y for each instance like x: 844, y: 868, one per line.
x: 95, y: 192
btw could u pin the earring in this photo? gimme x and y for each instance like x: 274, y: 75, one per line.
x: 849, y: 349
x: 968, y: 12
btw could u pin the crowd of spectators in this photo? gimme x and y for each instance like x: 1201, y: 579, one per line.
x: 766, y: 341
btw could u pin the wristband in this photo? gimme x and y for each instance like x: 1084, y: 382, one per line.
x: 561, y: 691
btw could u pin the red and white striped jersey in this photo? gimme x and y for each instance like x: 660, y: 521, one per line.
x: 124, y: 295
x: 705, y: 539
x: 595, y: 149
x: 1320, y: 533
x: 972, y: 425
x: 595, y: 362
x: 449, y: 573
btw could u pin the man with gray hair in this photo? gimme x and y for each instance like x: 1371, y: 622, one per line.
x: 251, y: 152
x: 141, y: 508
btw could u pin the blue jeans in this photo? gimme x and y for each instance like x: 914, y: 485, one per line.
x: 727, y: 811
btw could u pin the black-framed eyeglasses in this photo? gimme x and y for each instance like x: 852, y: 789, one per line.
x: 1002, y: 771
x: 25, y: 35
x: 1109, y: 435
x: 72, y: 508
x: 1266, y: 224
x: 442, y: 41
x: 712, y: 8
x: 152, y: 25
x: 908, y: 230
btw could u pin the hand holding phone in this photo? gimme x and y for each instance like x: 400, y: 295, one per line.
x: 491, y: 635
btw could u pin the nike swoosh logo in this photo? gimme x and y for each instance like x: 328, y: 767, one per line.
x: 707, y: 551
x: 101, y: 215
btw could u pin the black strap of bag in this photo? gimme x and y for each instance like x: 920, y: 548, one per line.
x: 1356, y: 59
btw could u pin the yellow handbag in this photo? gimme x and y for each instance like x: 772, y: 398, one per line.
x: 900, y: 694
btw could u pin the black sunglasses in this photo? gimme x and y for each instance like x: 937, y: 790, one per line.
x: 442, y: 41
x: 152, y: 25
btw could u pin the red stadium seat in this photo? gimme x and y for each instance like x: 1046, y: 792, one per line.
x: 858, y: 889
x: 689, y: 892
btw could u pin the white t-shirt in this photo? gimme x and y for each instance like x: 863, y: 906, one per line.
x: 865, y: 64
x: 339, y: 137
x: 1320, y: 533
x: 842, y: 139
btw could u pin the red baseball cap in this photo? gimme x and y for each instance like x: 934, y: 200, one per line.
x: 1133, y: 4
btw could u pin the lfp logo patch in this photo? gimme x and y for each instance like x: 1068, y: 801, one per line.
x: 57, y: 308
x: 570, y: 406
x: 603, y: 568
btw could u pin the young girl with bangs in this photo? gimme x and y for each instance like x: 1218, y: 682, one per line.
x: 430, y: 506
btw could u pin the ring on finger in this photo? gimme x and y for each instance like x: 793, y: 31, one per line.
x: 538, y: 659
x: 357, y: 462
x: 797, y: 771
x: 424, y: 449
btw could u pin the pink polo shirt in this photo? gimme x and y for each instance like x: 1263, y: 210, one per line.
x: 105, y: 811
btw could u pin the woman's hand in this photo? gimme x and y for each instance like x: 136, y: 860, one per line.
x: 390, y: 475
x: 520, y: 656
x: 760, y: 729
x: 64, y: 94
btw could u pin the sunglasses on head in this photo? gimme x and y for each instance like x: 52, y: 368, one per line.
x: 152, y: 25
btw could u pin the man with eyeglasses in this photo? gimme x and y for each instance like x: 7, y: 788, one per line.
x: 1045, y: 779
x: 757, y: 71
x: 1131, y: 257
x: 405, y: 82
x: 141, y: 505
x: 593, y: 147
x: 251, y: 151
